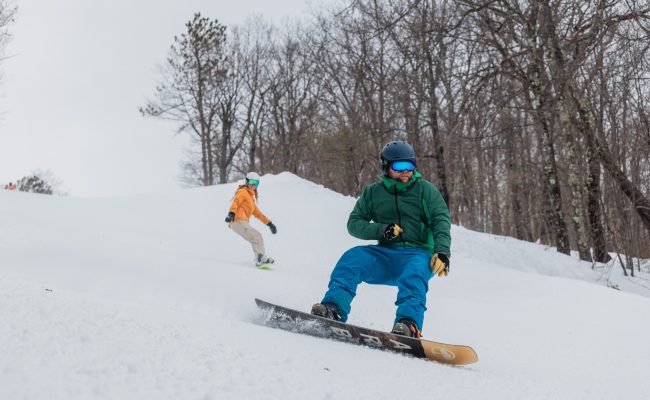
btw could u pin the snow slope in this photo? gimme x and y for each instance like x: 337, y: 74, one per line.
x: 151, y: 297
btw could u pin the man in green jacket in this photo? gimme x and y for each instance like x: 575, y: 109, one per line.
x: 410, y: 220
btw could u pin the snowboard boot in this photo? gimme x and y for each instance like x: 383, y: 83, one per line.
x: 406, y: 327
x: 262, y: 259
x: 326, y: 310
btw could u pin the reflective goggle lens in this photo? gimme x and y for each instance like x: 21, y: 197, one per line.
x: 255, y: 182
x: 399, y: 166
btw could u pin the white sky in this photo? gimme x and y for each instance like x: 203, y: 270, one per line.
x: 79, y: 71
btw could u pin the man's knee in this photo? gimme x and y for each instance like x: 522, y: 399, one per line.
x: 357, y: 254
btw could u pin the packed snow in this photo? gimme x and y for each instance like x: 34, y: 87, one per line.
x: 152, y: 297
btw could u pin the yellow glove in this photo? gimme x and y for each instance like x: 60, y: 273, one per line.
x: 439, y: 264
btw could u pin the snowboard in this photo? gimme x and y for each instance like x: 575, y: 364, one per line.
x: 266, y: 266
x: 300, y: 322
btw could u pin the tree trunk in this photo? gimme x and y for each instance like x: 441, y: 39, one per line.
x: 554, y: 193
x: 575, y: 187
x: 593, y: 207
x: 439, y: 148
x: 514, y: 179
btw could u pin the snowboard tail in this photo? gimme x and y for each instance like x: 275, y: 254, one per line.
x: 298, y: 321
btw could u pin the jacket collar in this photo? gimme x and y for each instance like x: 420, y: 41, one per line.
x: 395, y: 186
x: 249, y: 190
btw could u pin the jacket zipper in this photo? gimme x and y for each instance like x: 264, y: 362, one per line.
x: 399, y: 219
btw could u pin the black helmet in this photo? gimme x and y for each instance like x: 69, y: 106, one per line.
x: 397, y: 150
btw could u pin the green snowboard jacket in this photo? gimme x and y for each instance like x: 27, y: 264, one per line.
x: 416, y: 206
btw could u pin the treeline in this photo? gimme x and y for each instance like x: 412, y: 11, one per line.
x: 38, y: 181
x: 531, y: 117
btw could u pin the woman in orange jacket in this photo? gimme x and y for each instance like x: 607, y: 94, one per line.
x: 244, y: 204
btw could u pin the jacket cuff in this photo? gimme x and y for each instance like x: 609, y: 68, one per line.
x: 380, y: 231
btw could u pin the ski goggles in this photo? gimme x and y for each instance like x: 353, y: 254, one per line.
x: 401, y: 166
x: 255, y: 182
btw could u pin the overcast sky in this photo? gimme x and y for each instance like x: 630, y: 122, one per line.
x: 79, y: 70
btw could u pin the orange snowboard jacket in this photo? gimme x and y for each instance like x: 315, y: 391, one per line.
x: 244, y: 205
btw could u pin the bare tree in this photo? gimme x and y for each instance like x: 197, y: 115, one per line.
x: 7, y: 14
x: 512, y: 32
x: 230, y: 98
x: 189, y: 91
x: 292, y: 102
x: 254, y: 42
x: 356, y: 71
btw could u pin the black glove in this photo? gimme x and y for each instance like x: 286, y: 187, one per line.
x: 230, y: 217
x: 272, y: 227
x: 392, y: 231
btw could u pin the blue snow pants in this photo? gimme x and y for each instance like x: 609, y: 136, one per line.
x: 404, y: 267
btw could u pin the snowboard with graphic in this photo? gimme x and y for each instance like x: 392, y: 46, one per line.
x: 297, y: 321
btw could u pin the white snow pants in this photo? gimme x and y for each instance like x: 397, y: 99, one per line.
x: 245, y: 230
